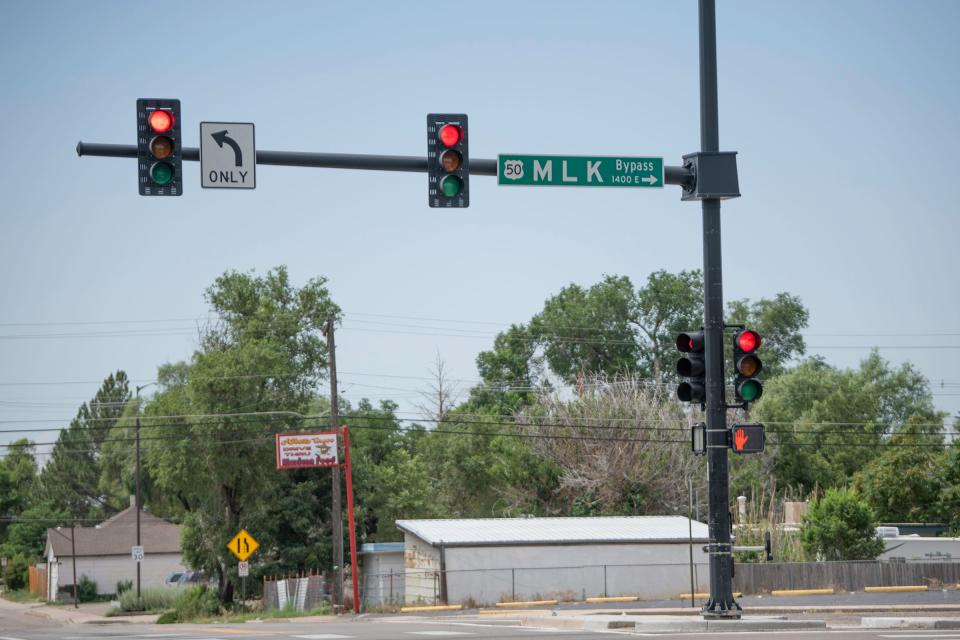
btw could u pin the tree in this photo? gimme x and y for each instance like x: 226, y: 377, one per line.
x: 612, y: 329
x: 827, y: 423
x: 18, y: 473
x: 612, y: 446
x: 841, y: 526
x: 903, y: 483
x: 442, y: 395
x: 71, y: 479
x: 254, y: 375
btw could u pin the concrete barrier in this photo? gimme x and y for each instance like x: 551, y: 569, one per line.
x: 441, y: 607
x: 899, y: 589
x: 529, y: 603
x: 803, y: 592
x: 613, y: 599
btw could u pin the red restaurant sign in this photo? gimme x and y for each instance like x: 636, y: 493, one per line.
x: 299, y: 450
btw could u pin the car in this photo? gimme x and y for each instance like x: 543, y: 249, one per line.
x: 173, y: 579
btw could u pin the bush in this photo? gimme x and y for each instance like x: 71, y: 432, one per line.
x: 841, y: 526
x: 17, y: 575
x: 86, y: 590
x: 167, y: 617
x: 123, y: 586
x: 151, y: 599
x: 196, y: 602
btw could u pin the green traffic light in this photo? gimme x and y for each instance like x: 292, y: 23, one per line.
x: 161, y: 173
x: 751, y: 390
x: 451, y: 186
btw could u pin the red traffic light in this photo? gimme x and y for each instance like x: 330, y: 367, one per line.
x: 450, y: 134
x: 161, y: 121
x: 748, y: 340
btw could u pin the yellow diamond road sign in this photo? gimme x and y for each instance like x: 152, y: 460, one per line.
x: 243, y: 545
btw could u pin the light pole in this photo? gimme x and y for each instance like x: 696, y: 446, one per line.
x: 137, y: 505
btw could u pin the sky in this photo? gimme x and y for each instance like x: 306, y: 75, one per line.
x: 843, y: 114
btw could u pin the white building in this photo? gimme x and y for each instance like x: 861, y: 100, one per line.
x: 104, y: 553
x: 485, y: 561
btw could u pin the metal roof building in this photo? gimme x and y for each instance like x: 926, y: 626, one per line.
x: 492, y: 560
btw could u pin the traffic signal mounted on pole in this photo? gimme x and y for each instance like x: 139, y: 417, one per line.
x: 448, y: 160
x: 159, y: 148
x: 692, y: 366
x: 746, y: 366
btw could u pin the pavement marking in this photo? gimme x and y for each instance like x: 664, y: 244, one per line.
x: 9, y: 638
x: 955, y: 634
x: 321, y: 636
x: 439, y: 633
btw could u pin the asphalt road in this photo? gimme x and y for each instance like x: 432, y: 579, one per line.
x: 24, y: 627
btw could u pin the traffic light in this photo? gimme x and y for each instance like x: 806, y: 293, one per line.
x: 747, y: 438
x: 692, y: 366
x: 159, y: 149
x: 746, y: 366
x: 448, y: 160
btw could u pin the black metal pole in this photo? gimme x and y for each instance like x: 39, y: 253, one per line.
x: 137, y: 502
x: 721, y: 603
x: 478, y: 166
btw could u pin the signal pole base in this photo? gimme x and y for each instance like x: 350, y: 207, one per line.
x: 717, y: 610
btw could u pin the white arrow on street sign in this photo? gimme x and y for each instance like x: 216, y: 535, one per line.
x: 228, y: 155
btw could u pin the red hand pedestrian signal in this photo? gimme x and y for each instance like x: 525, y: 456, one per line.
x: 747, y: 438
x: 739, y: 439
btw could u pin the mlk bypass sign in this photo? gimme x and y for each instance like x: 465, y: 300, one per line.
x: 578, y: 171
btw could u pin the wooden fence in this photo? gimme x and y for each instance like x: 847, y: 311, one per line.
x: 846, y: 576
x: 38, y: 581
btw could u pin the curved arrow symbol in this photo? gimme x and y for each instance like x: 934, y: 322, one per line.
x: 220, y: 137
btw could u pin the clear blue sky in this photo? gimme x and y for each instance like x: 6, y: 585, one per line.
x: 844, y: 115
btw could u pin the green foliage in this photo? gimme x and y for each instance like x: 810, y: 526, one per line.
x: 27, y: 534
x: 17, y: 574
x: 815, y: 411
x: 151, y: 598
x: 841, y: 526
x: 86, y: 589
x: 123, y: 586
x: 71, y: 479
x: 903, y: 483
x: 196, y: 602
x: 168, y: 617
x: 612, y: 329
x: 265, y: 356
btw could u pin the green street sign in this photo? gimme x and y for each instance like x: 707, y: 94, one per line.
x: 579, y: 171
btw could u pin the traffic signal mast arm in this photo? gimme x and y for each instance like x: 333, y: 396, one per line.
x: 681, y: 176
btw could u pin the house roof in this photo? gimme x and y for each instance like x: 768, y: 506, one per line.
x: 117, y: 535
x: 532, y: 531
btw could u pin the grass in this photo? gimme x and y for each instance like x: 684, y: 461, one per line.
x: 21, y: 595
x: 247, y: 616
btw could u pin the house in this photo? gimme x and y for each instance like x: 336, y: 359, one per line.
x: 485, y: 561
x: 104, y: 553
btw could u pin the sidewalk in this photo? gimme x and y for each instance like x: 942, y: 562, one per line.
x: 86, y: 613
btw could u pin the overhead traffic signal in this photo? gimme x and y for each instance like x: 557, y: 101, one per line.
x: 159, y: 149
x: 448, y: 160
x: 692, y: 366
x: 746, y: 366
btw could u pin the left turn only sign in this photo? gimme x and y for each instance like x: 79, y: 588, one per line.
x: 228, y: 155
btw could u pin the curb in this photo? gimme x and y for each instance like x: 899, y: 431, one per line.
x: 442, y: 607
x: 910, y: 623
x: 802, y: 592
x: 529, y: 603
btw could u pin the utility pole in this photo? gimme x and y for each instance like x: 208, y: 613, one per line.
x: 721, y: 603
x: 73, y: 556
x: 336, y: 515
x: 137, y: 506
